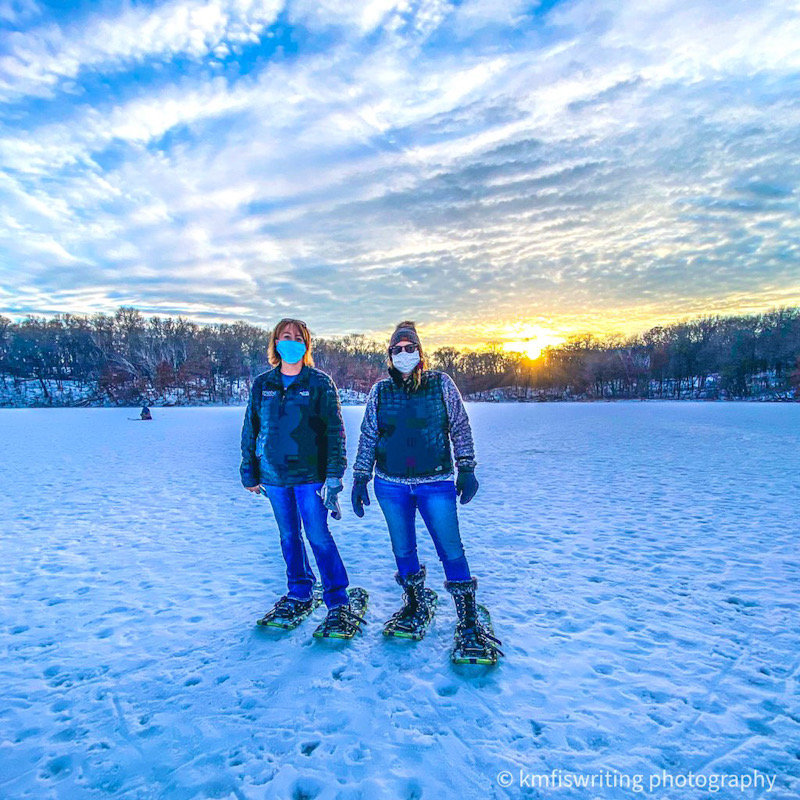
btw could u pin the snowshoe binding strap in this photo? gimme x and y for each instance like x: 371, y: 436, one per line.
x: 407, y: 619
x: 341, y: 619
x: 286, y: 608
x: 476, y: 639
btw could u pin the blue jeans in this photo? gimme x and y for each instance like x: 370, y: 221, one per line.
x: 301, y: 503
x: 436, y: 502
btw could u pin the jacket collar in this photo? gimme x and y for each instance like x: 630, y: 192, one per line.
x: 273, y: 376
x: 407, y: 384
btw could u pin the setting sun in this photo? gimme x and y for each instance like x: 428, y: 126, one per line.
x: 531, y: 339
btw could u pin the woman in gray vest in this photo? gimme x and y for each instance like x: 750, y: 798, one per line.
x: 410, y: 420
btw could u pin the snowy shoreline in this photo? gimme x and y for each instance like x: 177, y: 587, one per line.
x: 569, y: 401
x: 70, y: 394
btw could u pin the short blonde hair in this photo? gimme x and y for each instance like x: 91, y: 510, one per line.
x: 272, y: 350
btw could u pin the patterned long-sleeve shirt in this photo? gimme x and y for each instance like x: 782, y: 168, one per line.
x: 460, y: 436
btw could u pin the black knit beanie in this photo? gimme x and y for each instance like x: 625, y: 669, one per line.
x: 409, y: 334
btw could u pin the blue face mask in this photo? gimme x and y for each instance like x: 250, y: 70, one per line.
x: 291, y: 352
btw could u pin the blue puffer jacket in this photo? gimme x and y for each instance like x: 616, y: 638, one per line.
x: 295, y: 434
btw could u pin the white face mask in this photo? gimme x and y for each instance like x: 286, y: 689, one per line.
x: 406, y: 362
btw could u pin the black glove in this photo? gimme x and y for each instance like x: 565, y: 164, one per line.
x: 466, y: 485
x: 359, y: 496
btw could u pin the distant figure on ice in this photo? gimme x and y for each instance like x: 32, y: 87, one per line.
x: 410, y: 420
x: 293, y: 451
x: 145, y: 413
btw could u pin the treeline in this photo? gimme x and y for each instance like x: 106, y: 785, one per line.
x: 127, y: 359
x: 715, y: 357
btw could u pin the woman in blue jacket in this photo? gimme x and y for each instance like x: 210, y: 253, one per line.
x: 409, y: 423
x: 293, y: 451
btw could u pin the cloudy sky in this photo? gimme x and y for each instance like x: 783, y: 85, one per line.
x: 497, y: 171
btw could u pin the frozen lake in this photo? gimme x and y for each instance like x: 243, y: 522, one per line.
x: 641, y: 562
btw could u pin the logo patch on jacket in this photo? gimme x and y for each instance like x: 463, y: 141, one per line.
x: 304, y: 392
x: 270, y: 393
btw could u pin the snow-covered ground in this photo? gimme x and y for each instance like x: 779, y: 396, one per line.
x: 641, y: 562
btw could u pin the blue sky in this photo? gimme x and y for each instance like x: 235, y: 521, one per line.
x: 495, y: 171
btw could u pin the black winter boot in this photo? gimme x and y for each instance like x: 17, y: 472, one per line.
x: 475, y: 642
x: 419, y: 603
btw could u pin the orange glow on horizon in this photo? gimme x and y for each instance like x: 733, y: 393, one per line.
x: 550, y: 329
x: 531, y: 340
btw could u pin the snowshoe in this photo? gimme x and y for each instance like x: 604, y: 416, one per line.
x: 474, y: 641
x: 288, y: 612
x: 477, y: 644
x: 419, y: 606
x: 343, y: 622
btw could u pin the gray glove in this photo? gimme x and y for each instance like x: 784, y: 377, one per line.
x: 330, y: 496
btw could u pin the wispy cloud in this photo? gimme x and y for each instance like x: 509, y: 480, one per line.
x: 18, y: 12
x: 474, y: 166
x: 39, y: 60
